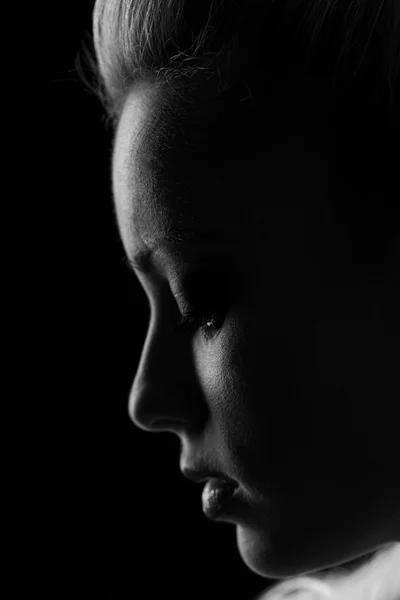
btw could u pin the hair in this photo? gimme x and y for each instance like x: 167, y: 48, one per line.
x: 349, y: 44
x: 339, y: 57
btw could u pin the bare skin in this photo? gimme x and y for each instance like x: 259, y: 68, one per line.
x: 294, y: 395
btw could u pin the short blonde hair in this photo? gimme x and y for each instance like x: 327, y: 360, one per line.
x: 352, y: 45
x: 341, y: 57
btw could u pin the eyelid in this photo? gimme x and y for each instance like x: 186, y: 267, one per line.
x: 185, y: 303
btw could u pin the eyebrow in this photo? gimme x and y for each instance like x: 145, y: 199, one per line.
x: 176, y: 236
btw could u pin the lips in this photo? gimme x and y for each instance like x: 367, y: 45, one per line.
x: 217, y: 494
x: 221, y: 496
x: 200, y: 475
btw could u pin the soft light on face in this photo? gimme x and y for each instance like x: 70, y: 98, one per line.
x: 292, y: 385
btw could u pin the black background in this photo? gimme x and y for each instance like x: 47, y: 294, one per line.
x: 115, y: 518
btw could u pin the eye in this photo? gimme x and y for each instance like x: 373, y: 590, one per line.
x: 208, y: 322
x: 202, y: 296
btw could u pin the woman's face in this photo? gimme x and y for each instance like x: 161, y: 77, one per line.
x: 292, y: 391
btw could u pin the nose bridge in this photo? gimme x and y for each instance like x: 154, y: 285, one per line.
x: 142, y: 378
x: 161, y: 395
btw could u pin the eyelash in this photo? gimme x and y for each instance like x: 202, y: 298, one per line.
x: 193, y: 320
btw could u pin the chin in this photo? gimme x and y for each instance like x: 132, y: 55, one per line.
x: 276, y: 560
x: 257, y: 551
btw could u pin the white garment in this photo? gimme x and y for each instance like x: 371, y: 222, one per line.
x: 378, y: 579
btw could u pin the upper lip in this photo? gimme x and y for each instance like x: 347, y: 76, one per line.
x: 198, y: 475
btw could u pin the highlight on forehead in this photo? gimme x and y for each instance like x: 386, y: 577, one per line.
x: 180, y: 151
x: 137, y: 144
x: 180, y: 136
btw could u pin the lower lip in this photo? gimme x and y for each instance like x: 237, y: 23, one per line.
x: 216, y: 497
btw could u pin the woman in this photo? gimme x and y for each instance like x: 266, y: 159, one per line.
x: 254, y: 183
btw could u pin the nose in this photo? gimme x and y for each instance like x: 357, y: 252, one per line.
x: 163, y: 395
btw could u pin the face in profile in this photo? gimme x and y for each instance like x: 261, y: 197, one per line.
x: 287, y: 383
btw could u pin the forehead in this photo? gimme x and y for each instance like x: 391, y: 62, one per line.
x: 204, y: 172
x: 167, y: 168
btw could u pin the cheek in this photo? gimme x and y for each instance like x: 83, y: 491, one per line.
x: 220, y: 372
x: 252, y: 409
x: 225, y: 372
x: 281, y: 399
